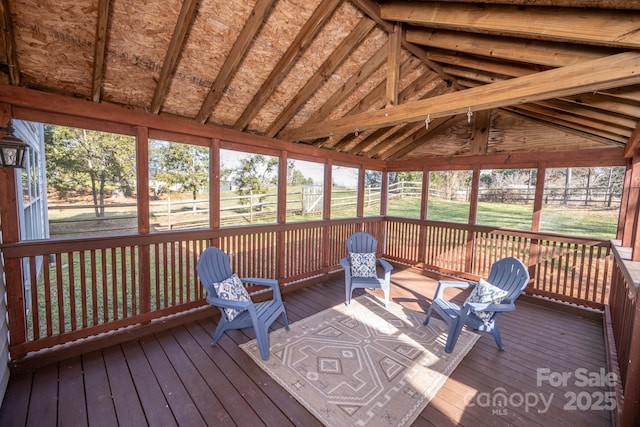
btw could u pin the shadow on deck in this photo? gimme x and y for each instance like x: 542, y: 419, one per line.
x: 175, y: 377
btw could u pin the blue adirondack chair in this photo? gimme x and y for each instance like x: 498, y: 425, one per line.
x: 510, y: 275
x: 214, y: 268
x: 360, y: 266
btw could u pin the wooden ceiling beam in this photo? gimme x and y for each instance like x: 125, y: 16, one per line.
x: 512, y: 49
x: 299, y: 45
x: 600, y: 101
x: 371, y: 99
x: 604, y: 73
x: 99, y: 50
x: 580, y: 109
x: 597, y: 127
x: 491, y: 65
x: 372, y: 9
x: 337, y: 57
x: 356, y: 80
x: 347, y: 142
x: 589, y: 132
x: 614, y: 28
x: 599, y: 4
x: 234, y: 58
x: 393, y: 66
x: 9, y: 42
x: 185, y: 18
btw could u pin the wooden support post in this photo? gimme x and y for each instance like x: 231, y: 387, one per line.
x: 282, y: 212
x: 473, y: 214
x: 422, y: 239
x: 10, y: 222
x: 326, y: 214
x: 214, y: 184
x: 360, y: 200
x: 142, y: 183
x: 537, y: 218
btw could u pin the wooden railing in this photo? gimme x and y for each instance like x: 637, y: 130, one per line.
x: 569, y: 269
x: 84, y: 287
x: 625, y: 323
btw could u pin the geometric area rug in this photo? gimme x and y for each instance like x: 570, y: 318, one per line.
x: 362, y: 364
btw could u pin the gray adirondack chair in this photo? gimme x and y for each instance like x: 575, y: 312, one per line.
x: 364, y: 243
x: 508, y: 274
x: 214, y: 267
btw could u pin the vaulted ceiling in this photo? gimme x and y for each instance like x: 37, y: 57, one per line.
x: 389, y: 80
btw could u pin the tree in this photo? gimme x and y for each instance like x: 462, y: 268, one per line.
x: 179, y: 167
x: 295, y: 177
x: 78, y: 159
x: 255, y: 174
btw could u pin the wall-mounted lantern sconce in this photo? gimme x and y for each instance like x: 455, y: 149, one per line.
x: 12, y: 150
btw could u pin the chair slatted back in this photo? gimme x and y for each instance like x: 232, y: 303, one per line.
x: 362, y: 242
x: 511, y: 275
x: 213, y: 267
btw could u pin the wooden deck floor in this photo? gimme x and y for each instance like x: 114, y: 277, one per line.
x: 176, y: 378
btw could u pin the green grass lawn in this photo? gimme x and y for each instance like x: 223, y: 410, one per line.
x: 574, y: 220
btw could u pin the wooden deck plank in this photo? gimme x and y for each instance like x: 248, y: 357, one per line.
x: 15, y: 405
x: 170, y: 375
x: 205, y: 400
x: 71, y: 407
x: 123, y: 390
x: 154, y: 404
x: 175, y: 392
x: 100, y: 409
x: 297, y: 414
x: 245, y: 386
x: 232, y: 401
x: 43, y: 406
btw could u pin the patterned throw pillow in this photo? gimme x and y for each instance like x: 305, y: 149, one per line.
x: 232, y: 289
x: 486, y: 293
x: 363, y: 264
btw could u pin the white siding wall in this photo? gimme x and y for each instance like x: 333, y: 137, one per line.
x: 4, y: 332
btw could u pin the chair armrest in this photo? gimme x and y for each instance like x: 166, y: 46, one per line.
x: 260, y: 281
x: 443, y: 284
x: 477, y: 306
x: 272, y: 283
x: 385, y: 265
x: 228, y: 303
x: 344, y: 262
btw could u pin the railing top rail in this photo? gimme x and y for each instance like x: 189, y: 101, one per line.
x: 538, y: 235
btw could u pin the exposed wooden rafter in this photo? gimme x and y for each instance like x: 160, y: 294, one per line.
x: 187, y: 12
x: 604, y: 73
x: 298, y: 46
x: 9, y: 44
x: 330, y: 64
x: 613, y: 28
x: 100, y: 45
x: 508, y: 48
x: 238, y: 51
